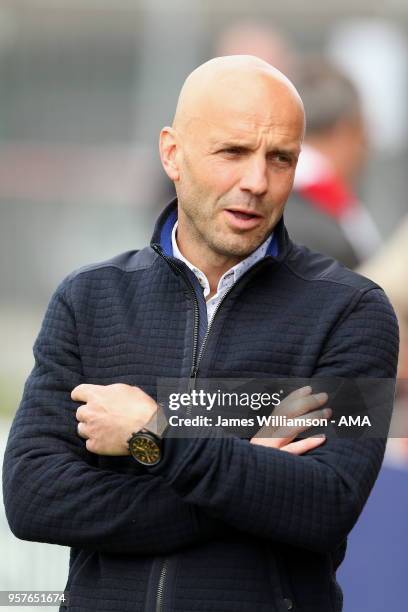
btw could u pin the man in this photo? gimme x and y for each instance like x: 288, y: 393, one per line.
x: 324, y: 212
x: 201, y: 523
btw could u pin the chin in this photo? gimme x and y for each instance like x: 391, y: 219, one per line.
x: 231, y: 244
x: 237, y: 249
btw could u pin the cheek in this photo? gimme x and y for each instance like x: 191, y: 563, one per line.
x: 280, y: 186
x: 221, y: 177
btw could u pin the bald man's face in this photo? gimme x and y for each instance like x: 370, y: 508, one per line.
x: 236, y: 162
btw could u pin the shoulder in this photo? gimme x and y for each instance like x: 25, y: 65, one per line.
x: 102, y: 279
x: 316, y: 269
x: 339, y: 291
x: 128, y: 261
x: 363, y: 336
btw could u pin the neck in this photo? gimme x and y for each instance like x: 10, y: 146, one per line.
x: 213, y: 265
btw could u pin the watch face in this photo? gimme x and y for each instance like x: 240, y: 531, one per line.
x: 145, y: 449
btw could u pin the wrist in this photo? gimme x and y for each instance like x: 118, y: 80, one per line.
x: 157, y: 422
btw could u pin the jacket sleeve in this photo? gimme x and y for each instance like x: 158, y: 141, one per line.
x: 310, y: 501
x: 54, y: 492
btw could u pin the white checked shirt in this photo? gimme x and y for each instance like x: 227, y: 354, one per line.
x: 228, y: 279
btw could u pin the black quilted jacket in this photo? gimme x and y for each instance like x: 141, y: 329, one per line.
x: 219, y: 524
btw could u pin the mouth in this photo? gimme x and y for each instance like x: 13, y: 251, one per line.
x: 242, y: 219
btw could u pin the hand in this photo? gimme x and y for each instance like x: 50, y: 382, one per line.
x: 110, y: 415
x: 298, y: 403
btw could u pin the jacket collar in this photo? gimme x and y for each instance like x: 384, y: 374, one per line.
x: 278, y: 248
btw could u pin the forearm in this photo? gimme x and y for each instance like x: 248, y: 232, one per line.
x: 53, y: 495
x: 54, y: 490
x: 309, y: 501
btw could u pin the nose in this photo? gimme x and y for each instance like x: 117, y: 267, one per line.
x: 254, y: 178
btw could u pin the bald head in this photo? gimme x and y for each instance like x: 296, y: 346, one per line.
x: 236, y: 83
x: 231, y: 153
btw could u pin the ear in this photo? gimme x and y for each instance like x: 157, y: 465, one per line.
x: 168, y: 149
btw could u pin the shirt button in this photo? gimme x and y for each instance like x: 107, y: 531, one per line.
x: 288, y: 603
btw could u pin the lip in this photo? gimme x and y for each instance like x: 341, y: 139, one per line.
x: 240, y: 222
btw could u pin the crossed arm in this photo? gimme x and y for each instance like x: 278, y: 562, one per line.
x: 55, y: 492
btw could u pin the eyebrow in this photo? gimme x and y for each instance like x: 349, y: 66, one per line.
x: 232, y: 142
x: 239, y: 144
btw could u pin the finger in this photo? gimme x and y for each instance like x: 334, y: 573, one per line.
x: 296, y: 448
x: 81, y: 430
x: 271, y: 442
x: 81, y: 393
x: 289, y: 432
x: 81, y: 413
x: 302, y: 405
x: 303, y: 446
x: 299, y: 393
x: 318, y: 416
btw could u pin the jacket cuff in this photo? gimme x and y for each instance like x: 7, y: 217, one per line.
x: 179, y: 451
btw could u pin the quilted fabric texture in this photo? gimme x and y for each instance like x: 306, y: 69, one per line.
x: 236, y: 527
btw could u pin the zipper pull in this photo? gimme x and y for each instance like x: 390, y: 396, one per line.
x: 191, y: 387
x: 193, y: 378
x: 156, y: 247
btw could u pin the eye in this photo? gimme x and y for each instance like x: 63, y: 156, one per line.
x: 233, y: 151
x: 282, y: 159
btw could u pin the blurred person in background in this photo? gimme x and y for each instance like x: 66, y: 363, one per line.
x: 201, y: 523
x: 324, y: 212
x: 389, y: 268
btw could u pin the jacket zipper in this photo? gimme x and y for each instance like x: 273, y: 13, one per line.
x: 197, y: 358
x: 194, y: 370
x: 188, y: 282
x: 160, y: 586
x: 193, y: 376
x: 164, y: 568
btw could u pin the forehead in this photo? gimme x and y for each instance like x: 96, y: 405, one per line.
x: 252, y: 113
x: 280, y: 128
x: 244, y: 106
x: 252, y: 130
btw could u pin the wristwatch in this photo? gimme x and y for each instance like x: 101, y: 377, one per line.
x: 145, y: 447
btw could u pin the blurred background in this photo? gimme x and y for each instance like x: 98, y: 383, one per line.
x: 85, y: 87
